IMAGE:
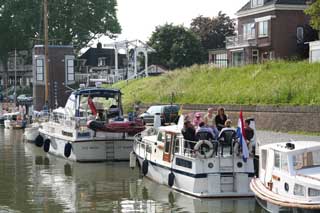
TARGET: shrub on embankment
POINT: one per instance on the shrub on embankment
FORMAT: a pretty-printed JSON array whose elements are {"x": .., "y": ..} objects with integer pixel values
[{"x": 272, "y": 83}]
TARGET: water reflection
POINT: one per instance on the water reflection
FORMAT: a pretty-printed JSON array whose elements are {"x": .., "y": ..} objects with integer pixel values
[{"x": 33, "y": 181}]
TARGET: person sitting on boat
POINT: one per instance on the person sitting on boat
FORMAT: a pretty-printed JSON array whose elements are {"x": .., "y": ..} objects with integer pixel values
[
  {"x": 249, "y": 133},
  {"x": 209, "y": 120},
  {"x": 197, "y": 120},
  {"x": 204, "y": 133},
  {"x": 100, "y": 115},
  {"x": 220, "y": 118},
  {"x": 189, "y": 134},
  {"x": 227, "y": 136}
]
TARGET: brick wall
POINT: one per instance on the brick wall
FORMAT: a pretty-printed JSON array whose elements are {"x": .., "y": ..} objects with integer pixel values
[{"x": 277, "y": 118}]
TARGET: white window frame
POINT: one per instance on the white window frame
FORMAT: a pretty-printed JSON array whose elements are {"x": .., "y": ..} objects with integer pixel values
[
  {"x": 249, "y": 31},
  {"x": 69, "y": 69},
  {"x": 40, "y": 69},
  {"x": 263, "y": 29},
  {"x": 256, "y": 3},
  {"x": 300, "y": 34},
  {"x": 102, "y": 61}
]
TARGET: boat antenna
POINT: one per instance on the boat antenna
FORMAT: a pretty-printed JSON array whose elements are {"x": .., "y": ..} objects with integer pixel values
[{"x": 46, "y": 37}]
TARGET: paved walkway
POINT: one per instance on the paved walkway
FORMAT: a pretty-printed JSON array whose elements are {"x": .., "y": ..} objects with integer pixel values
[{"x": 265, "y": 137}]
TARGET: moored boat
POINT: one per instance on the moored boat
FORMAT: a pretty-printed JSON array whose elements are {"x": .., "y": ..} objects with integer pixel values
[
  {"x": 166, "y": 157},
  {"x": 90, "y": 127},
  {"x": 289, "y": 175}
]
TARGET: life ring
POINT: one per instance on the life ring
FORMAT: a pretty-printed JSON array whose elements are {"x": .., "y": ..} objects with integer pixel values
[
  {"x": 145, "y": 166},
  {"x": 46, "y": 145},
  {"x": 38, "y": 141},
  {"x": 67, "y": 150},
  {"x": 204, "y": 149},
  {"x": 170, "y": 179}
]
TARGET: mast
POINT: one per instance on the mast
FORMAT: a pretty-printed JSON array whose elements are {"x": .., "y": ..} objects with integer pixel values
[{"x": 45, "y": 13}]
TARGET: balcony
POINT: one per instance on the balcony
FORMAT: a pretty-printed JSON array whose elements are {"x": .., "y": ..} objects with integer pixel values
[{"x": 240, "y": 41}]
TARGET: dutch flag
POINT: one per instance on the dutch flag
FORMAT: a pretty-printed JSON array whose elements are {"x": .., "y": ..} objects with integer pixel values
[{"x": 241, "y": 135}]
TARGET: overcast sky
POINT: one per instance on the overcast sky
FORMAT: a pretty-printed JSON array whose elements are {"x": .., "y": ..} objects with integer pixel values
[{"x": 138, "y": 18}]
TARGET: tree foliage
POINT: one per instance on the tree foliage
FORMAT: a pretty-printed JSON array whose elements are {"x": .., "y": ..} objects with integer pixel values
[
  {"x": 70, "y": 22},
  {"x": 314, "y": 11},
  {"x": 175, "y": 47},
  {"x": 213, "y": 31}
]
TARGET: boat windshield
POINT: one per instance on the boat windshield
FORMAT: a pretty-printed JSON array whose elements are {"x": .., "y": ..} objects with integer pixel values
[
  {"x": 99, "y": 103},
  {"x": 306, "y": 160}
]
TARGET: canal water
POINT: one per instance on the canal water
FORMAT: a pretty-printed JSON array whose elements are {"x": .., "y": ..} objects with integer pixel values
[{"x": 32, "y": 181}]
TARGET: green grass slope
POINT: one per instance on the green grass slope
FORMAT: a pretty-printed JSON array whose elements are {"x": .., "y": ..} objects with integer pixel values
[{"x": 272, "y": 83}]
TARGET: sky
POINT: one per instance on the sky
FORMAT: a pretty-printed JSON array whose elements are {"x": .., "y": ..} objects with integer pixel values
[{"x": 139, "y": 18}]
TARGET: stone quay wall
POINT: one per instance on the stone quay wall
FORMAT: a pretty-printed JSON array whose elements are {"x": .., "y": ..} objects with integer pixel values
[{"x": 275, "y": 118}]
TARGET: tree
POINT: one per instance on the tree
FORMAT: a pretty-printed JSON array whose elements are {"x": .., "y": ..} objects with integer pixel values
[
  {"x": 70, "y": 22},
  {"x": 213, "y": 31},
  {"x": 175, "y": 47},
  {"x": 314, "y": 11}
]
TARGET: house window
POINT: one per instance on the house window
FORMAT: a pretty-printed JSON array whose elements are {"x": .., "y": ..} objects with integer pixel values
[
  {"x": 255, "y": 56},
  {"x": 101, "y": 61},
  {"x": 256, "y": 3},
  {"x": 300, "y": 36},
  {"x": 69, "y": 64},
  {"x": 249, "y": 31},
  {"x": 40, "y": 69},
  {"x": 263, "y": 28}
]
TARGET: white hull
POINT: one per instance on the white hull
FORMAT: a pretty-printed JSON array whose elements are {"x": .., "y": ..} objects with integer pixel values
[
  {"x": 90, "y": 150},
  {"x": 200, "y": 185},
  {"x": 31, "y": 133}
]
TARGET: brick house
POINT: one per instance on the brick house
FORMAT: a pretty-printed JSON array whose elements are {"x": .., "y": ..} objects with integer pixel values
[
  {"x": 268, "y": 29},
  {"x": 61, "y": 75}
]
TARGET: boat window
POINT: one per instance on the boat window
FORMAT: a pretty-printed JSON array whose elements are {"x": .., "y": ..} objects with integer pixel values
[
  {"x": 299, "y": 190},
  {"x": 263, "y": 158},
  {"x": 176, "y": 144},
  {"x": 284, "y": 162},
  {"x": 313, "y": 192},
  {"x": 160, "y": 136},
  {"x": 276, "y": 159},
  {"x": 306, "y": 160},
  {"x": 167, "y": 142}
]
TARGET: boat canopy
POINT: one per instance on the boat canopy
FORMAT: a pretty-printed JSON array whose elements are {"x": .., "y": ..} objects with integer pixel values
[{"x": 97, "y": 92}]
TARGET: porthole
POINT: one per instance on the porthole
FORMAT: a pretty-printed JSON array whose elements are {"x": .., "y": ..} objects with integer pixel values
[
  {"x": 239, "y": 165},
  {"x": 286, "y": 187},
  {"x": 210, "y": 165}
]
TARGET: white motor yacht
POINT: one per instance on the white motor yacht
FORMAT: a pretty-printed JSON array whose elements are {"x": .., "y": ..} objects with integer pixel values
[
  {"x": 166, "y": 157},
  {"x": 76, "y": 133},
  {"x": 289, "y": 174}
]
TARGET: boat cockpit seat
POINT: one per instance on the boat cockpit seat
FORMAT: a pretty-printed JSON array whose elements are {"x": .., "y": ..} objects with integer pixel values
[{"x": 227, "y": 139}]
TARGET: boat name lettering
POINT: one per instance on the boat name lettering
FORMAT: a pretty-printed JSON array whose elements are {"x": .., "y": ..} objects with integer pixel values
[
  {"x": 69, "y": 134},
  {"x": 83, "y": 134},
  {"x": 184, "y": 163}
]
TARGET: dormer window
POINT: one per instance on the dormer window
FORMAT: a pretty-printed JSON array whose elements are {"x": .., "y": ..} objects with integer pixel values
[
  {"x": 256, "y": 3},
  {"x": 102, "y": 61}
]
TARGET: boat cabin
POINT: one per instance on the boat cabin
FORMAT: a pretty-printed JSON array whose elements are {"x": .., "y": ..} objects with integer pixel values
[{"x": 291, "y": 169}]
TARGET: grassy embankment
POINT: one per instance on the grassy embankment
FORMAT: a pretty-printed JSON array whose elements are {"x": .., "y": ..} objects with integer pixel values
[{"x": 272, "y": 83}]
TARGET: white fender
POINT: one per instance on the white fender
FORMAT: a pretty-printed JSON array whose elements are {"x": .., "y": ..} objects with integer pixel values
[{"x": 198, "y": 149}]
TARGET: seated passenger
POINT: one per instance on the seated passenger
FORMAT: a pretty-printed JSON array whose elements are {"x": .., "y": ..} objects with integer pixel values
[
  {"x": 197, "y": 120},
  {"x": 227, "y": 136},
  {"x": 189, "y": 134},
  {"x": 249, "y": 132},
  {"x": 100, "y": 116},
  {"x": 220, "y": 118},
  {"x": 204, "y": 133}
]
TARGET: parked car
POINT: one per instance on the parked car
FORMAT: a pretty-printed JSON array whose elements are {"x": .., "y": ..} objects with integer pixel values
[
  {"x": 24, "y": 98},
  {"x": 168, "y": 113}
]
